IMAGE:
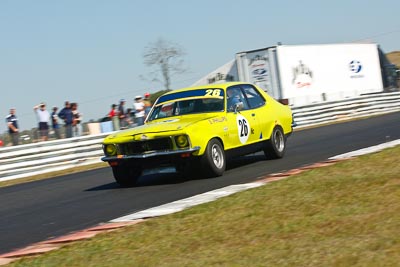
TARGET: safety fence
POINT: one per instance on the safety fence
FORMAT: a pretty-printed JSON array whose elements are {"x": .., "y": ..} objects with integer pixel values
[
  {"x": 32, "y": 159},
  {"x": 38, "y": 158},
  {"x": 363, "y": 106}
]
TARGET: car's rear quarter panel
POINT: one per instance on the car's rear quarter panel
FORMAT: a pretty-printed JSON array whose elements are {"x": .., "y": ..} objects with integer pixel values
[{"x": 282, "y": 115}]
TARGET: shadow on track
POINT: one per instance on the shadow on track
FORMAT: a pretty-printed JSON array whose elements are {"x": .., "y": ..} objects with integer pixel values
[
  {"x": 239, "y": 162},
  {"x": 165, "y": 176},
  {"x": 153, "y": 179}
]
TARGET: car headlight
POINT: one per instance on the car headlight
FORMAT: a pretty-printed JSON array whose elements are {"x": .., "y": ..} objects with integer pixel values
[
  {"x": 110, "y": 150},
  {"x": 182, "y": 141}
]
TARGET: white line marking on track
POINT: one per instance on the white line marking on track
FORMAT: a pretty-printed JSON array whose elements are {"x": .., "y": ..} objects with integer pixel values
[{"x": 368, "y": 150}]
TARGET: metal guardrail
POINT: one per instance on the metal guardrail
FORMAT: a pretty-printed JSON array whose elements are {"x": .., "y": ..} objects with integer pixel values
[
  {"x": 358, "y": 107},
  {"x": 31, "y": 159},
  {"x": 38, "y": 158}
]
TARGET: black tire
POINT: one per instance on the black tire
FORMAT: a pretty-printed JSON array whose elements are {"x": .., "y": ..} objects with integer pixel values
[
  {"x": 213, "y": 162},
  {"x": 275, "y": 147},
  {"x": 126, "y": 176}
]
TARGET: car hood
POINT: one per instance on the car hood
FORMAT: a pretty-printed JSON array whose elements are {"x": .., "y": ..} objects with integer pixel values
[{"x": 159, "y": 127}]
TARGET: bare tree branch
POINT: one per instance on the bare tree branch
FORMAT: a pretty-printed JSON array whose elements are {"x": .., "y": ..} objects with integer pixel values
[{"x": 166, "y": 57}]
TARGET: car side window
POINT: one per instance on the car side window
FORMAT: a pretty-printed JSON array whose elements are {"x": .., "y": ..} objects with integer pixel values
[
  {"x": 234, "y": 96},
  {"x": 253, "y": 97}
]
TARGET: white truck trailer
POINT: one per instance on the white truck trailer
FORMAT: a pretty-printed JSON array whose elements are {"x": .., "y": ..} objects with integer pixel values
[{"x": 305, "y": 74}]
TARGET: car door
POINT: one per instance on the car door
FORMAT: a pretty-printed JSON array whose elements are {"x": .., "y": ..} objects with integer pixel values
[
  {"x": 261, "y": 110},
  {"x": 243, "y": 125}
]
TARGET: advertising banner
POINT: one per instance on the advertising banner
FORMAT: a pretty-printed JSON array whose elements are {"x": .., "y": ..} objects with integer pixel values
[
  {"x": 329, "y": 70},
  {"x": 259, "y": 69}
]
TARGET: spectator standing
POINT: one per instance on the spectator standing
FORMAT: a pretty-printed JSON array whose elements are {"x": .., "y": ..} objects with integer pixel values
[
  {"x": 55, "y": 124},
  {"x": 66, "y": 115},
  {"x": 130, "y": 118},
  {"x": 147, "y": 104},
  {"x": 122, "y": 114},
  {"x": 77, "y": 119},
  {"x": 44, "y": 118},
  {"x": 139, "y": 110},
  {"x": 113, "y": 115},
  {"x": 12, "y": 124}
]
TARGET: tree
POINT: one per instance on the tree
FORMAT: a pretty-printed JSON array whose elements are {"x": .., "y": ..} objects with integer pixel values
[{"x": 165, "y": 57}]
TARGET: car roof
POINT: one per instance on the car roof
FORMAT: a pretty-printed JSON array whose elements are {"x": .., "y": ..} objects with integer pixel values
[{"x": 211, "y": 86}]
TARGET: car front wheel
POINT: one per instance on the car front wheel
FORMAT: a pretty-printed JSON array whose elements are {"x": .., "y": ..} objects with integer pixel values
[
  {"x": 213, "y": 160},
  {"x": 126, "y": 176}
]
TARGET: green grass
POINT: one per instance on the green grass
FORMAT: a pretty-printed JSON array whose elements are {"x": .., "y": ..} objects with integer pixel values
[{"x": 347, "y": 214}]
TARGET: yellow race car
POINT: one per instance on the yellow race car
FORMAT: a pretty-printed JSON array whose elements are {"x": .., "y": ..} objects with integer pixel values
[{"x": 197, "y": 129}]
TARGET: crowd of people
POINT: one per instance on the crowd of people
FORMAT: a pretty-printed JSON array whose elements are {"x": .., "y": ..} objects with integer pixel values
[
  {"x": 123, "y": 118},
  {"x": 70, "y": 115},
  {"x": 71, "y": 118}
]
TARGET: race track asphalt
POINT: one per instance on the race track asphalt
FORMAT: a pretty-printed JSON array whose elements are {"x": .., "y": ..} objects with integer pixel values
[{"x": 35, "y": 211}]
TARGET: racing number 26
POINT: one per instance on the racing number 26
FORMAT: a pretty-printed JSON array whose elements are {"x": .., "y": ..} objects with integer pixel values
[
  {"x": 213, "y": 92},
  {"x": 244, "y": 129}
]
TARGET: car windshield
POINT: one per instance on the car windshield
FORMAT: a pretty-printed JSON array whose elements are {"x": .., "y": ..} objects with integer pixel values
[{"x": 188, "y": 102}]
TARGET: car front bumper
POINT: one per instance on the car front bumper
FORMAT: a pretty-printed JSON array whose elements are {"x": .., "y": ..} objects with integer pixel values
[{"x": 150, "y": 154}]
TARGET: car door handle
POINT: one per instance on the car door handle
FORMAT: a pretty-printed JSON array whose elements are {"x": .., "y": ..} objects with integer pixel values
[{"x": 253, "y": 115}]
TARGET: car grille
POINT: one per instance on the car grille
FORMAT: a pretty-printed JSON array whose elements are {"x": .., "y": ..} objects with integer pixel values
[{"x": 140, "y": 147}]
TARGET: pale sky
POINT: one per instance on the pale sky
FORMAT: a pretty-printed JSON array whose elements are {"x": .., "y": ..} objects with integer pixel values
[{"x": 91, "y": 51}]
